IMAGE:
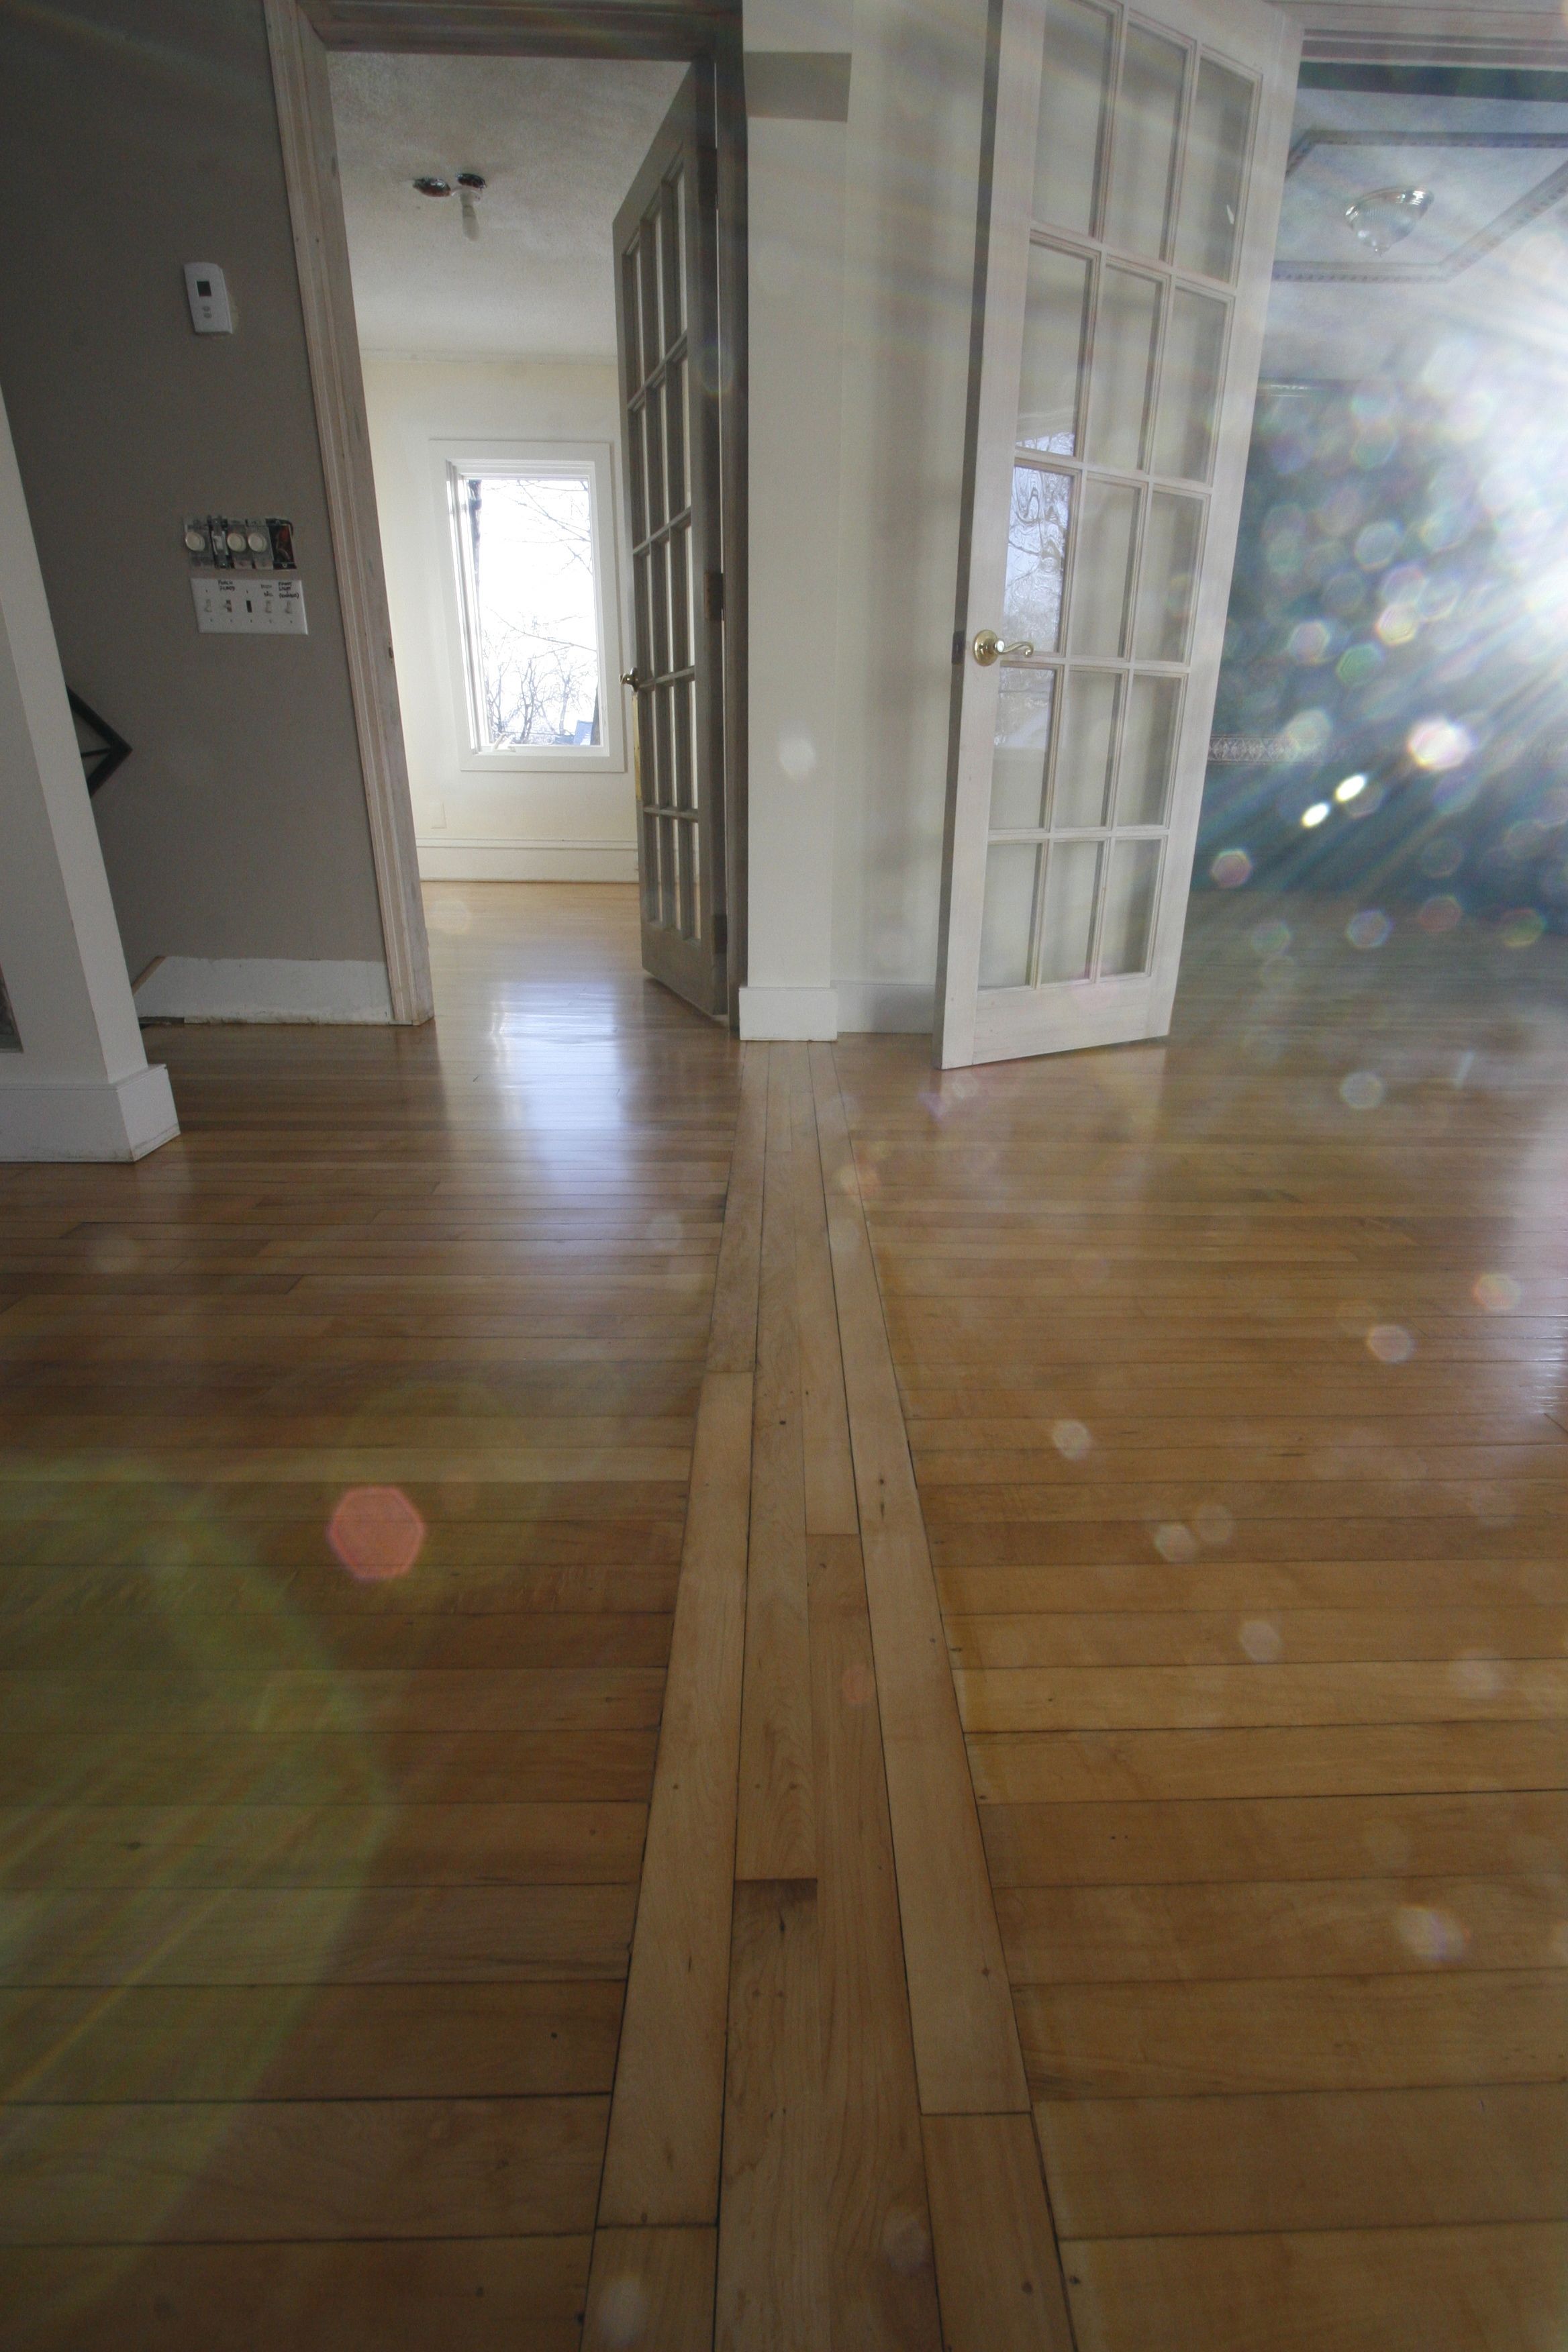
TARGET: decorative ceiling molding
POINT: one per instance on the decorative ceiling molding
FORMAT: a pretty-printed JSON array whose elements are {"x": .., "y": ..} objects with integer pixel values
[
  {"x": 540, "y": 28},
  {"x": 1508, "y": 223}
]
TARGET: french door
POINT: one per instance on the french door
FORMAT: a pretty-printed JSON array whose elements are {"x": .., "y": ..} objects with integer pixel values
[
  {"x": 667, "y": 318},
  {"x": 1137, "y": 159}
]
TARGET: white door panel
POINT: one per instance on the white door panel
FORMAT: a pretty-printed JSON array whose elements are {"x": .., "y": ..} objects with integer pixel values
[{"x": 1133, "y": 183}]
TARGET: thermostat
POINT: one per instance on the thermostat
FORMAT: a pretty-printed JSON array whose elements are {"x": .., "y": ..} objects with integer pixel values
[{"x": 208, "y": 296}]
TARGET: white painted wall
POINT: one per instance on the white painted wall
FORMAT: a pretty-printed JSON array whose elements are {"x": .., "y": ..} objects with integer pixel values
[
  {"x": 79, "y": 1087},
  {"x": 861, "y": 277},
  {"x": 528, "y": 824}
]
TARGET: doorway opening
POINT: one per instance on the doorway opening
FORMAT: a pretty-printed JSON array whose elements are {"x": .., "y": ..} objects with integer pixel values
[
  {"x": 542, "y": 279},
  {"x": 1387, "y": 769}
]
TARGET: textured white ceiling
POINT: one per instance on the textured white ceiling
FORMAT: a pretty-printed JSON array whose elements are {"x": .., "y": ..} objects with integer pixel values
[{"x": 558, "y": 141}]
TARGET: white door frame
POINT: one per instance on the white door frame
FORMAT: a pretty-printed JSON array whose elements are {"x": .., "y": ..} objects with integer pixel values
[{"x": 331, "y": 341}]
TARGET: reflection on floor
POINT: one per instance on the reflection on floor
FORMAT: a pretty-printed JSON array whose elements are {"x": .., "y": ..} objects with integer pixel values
[
  {"x": 1235, "y": 1376},
  {"x": 355, "y": 1452}
]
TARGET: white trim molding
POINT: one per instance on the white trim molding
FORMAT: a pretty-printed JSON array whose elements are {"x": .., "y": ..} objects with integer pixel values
[
  {"x": 86, "y": 1118},
  {"x": 326, "y": 296},
  {"x": 262, "y": 988},
  {"x": 793, "y": 1013},
  {"x": 528, "y": 861}
]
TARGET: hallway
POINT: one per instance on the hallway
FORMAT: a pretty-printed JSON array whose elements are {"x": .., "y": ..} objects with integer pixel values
[{"x": 367, "y": 1455}]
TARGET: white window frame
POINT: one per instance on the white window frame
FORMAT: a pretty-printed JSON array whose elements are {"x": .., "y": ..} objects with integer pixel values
[{"x": 452, "y": 461}]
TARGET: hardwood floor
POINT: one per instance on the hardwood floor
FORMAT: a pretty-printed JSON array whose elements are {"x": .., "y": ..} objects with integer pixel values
[
  {"x": 1239, "y": 1416},
  {"x": 633, "y": 1671},
  {"x": 319, "y": 1880}
]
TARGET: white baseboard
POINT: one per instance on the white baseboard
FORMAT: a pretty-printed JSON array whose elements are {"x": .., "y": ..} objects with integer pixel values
[
  {"x": 262, "y": 988},
  {"x": 905, "y": 1005},
  {"x": 78, "y": 1119},
  {"x": 528, "y": 861},
  {"x": 789, "y": 1012}
]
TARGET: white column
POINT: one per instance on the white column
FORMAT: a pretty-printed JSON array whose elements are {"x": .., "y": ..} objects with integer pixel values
[
  {"x": 79, "y": 1087},
  {"x": 795, "y": 156}
]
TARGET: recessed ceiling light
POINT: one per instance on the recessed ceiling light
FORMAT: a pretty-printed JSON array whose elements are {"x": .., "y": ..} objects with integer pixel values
[{"x": 1386, "y": 216}]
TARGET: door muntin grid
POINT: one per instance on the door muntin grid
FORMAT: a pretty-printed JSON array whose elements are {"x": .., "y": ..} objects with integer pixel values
[
  {"x": 664, "y": 626},
  {"x": 1142, "y": 154}
]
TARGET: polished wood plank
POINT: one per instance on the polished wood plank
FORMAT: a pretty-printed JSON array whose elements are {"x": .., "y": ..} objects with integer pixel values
[
  {"x": 1288, "y": 2033},
  {"x": 881, "y": 2287},
  {"x": 278, "y": 2169},
  {"x": 378, "y": 2295},
  {"x": 776, "y": 1829},
  {"x": 966, "y": 2048},
  {"x": 773, "y": 2294},
  {"x": 998, "y": 2267},
  {"x": 651, "y": 2287},
  {"x": 1367, "y": 2290}
]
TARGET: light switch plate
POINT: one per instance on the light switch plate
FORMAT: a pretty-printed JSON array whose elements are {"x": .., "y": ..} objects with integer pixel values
[
  {"x": 206, "y": 290},
  {"x": 249, "y": 604}
]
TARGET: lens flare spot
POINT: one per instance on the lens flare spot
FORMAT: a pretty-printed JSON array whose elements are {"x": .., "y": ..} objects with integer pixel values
[
  {"x": 1175, "y": 1542},
  {"x": 622, "y": 2314},
  {"x": 1432, "y": 1935},
  {"x": 1310, "y": 643},
  {"x": 1359, "y": 663},
  {"x": 1262, "y": 1641},
  {"x": 1498, "y": 1294},
  {"x": 906, "y": 2247},
  {"x": 1362, "y": 1090},
  {"x": 1213, "y": 1523},
  {"x": 1443, "y": 913},
  {"x": 1391, "y": 1343},
  {"x": 858, "y": 1685},
  {"x": 1349, "y": 788},
  {"x": 1437, "y": 745},
  {"x": 1397, "y": 624},
  {"x": 1477, "y": 1675},
  {"x": 1557, "y": 1943},
  {"x": 1377, "y": 545},
  {"x": 1522, "y": 927},
  {"x": 377, "y": 1533},
  {"x": 1370, "y": 928},
  {"x": 1230, "y": 869},
  {"x": 1313, "y": 816},
  {"x": 1270, "y": 938},
  {"x": 1071, "y": 1440}
]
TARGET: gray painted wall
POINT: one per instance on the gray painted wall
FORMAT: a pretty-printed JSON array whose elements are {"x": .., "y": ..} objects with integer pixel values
[{"x": 136, "y": 135}]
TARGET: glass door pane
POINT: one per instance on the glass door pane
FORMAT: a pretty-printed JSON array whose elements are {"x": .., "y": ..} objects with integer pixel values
[
  {"x": 1121, "y": 377},
  {"x": 1148, "y": 750},
  {"x": 1189, "y": 385},
  {"x": 1102, "y": 567},
  {"x": 1069, "y": 153},
  {"x": 1067, "y": 916},
  {"x": 1087, "y": 749},
  {"x": 1143, "y": 148},
  {"x": 1009, "y": 912},
  {"x": 1023, "y": 746},
  {"x": 1056, "y": 330},
  {"x": 1166, "y": 581},
  {"x": 1126, "y": 930},
  {"x": 1218, "y": 136},
  {"x": 1037, "y": 556}
]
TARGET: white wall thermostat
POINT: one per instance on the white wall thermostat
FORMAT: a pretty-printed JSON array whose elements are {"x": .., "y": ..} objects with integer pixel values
[{"x": 208, "y": 296}]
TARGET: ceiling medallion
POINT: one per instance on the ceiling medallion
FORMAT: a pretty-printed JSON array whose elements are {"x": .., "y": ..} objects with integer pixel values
[{"x": 1384, "y": 218}]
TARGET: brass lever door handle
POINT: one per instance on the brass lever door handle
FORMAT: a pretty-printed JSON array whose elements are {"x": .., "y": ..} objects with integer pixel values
[
  {"x": 634, "y": 678},
  {"x": 988, "y": 647}
]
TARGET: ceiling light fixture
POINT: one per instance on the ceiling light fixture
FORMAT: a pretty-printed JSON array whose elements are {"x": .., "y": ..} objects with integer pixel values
[
  {"x": 1385, "y": 217},
  {"x": 470, "y": 186}
]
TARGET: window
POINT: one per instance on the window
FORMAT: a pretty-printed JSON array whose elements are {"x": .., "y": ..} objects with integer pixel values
[{"x": 535, "y": 617}]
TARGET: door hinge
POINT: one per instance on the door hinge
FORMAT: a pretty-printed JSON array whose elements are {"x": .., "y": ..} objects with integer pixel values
[
  {"x": 721, "y": 931},
  {"x": 712, "y": 595}
]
